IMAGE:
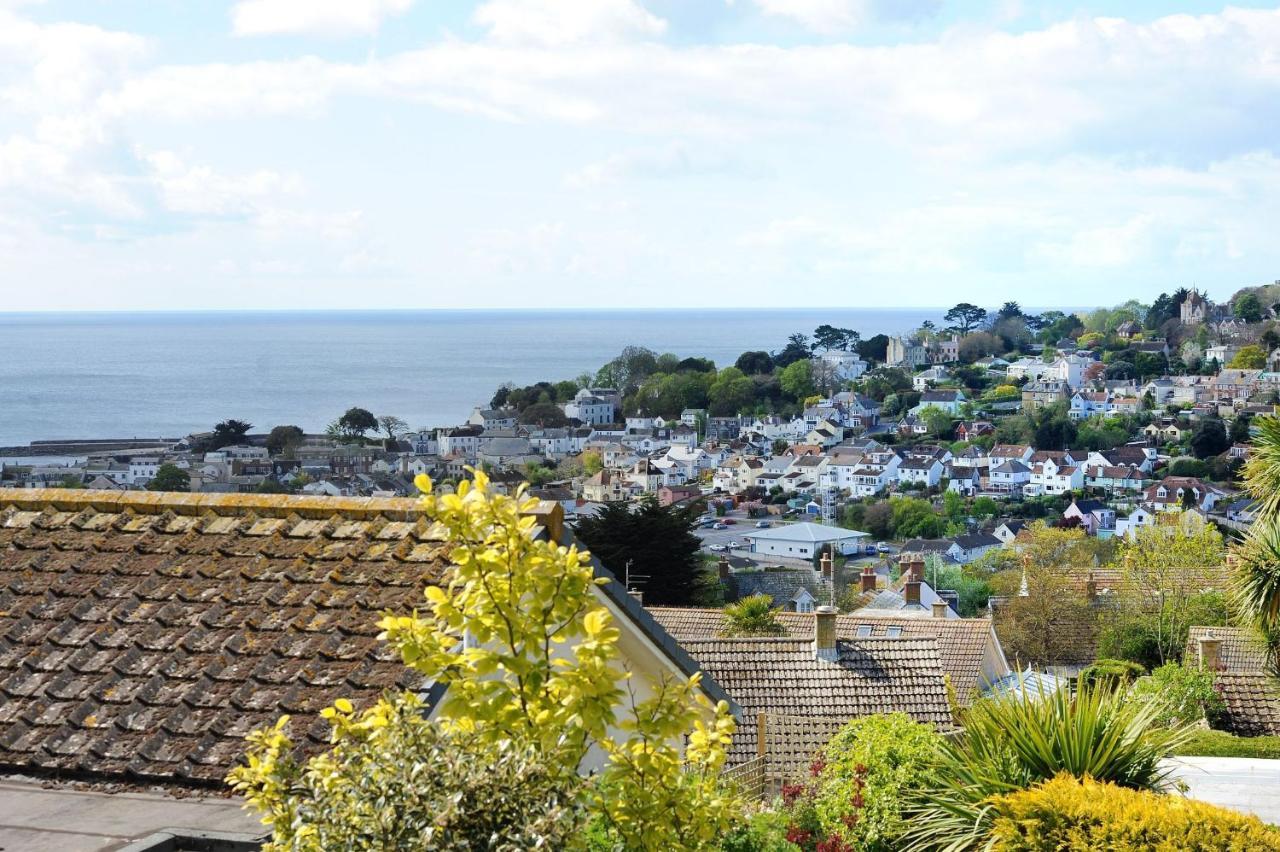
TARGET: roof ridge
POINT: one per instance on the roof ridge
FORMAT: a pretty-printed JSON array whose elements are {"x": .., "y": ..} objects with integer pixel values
[{"x": 182, "y": 503}]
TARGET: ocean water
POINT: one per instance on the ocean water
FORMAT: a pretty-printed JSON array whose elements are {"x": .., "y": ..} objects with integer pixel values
[{"x": 168, "y": 374}]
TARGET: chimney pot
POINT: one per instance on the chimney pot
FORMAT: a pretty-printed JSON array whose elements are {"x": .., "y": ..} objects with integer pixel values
[
  {"x": 828, "y": 567},
  {"x": 911, "y": 592},
  {"x": 940, "y": 609},
  {"x": 1210, "y": 653},
  {"x": 824, "y": 633}
]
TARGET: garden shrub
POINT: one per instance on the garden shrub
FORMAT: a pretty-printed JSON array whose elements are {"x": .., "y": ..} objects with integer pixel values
[
  {"x": 1067, "y": 813},
  {"x": 763, "y": 831},
  {"x": 854, "y": 795},
  {"x": 1113, "y": 671},
  {"x": 1183, "y": 694}
]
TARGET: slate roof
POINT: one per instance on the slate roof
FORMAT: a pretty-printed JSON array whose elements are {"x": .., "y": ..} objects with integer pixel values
[
  {"x": 142, "y": 635},
  {"x": 784, "y": 677},
  {"x": 962, "y": 642},
  {"x": 779, "y": 585}
]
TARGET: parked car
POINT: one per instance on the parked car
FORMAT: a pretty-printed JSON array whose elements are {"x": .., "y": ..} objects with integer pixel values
[
  {"x": 869, "y": 550},
  {"x": 718, "y": 548},
  {"x": 719, "y": 525},
  {"x": 728, "y": 521},
  {"x": 762, "y": 525},
  {"x": 883, "y": 548},
  {"x": 733, "y": 545}
]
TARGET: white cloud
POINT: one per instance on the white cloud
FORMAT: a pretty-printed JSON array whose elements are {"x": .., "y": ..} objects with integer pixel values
[
  {"x": 675, "y": 160},
  {"x": 199, "y": 190},
  {"x": 313, "y": 17},
  {"x": 824, "y": 16},
  {"x": 560, "y": 22}
]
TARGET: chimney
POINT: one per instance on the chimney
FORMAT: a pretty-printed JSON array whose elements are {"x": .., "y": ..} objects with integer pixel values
[
  {"x": 824, "y": 635},
  {"x": 939, "y": 607},
  {"x": 724, "y": 568},
  {"x": 828, "y": 567},
  {"x": 1210, "y": 653},
  {"x": 637, "y": 594},
  {"x": 912, "y": 565},
  {"x": 911, "y": 591},
  {"x": 1091, "y": 587},
  {"x": 868, "y": 578}
]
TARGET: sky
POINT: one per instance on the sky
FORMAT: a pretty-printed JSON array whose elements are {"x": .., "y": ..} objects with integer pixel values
[{"x": 315, "y": 154}]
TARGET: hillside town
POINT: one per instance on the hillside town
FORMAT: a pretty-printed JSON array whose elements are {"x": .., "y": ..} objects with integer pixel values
[{"x": 1005, "y": 509}]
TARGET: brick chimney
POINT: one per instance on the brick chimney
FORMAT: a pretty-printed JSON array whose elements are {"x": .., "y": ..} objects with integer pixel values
[
  {"x": 1210, "y": 653},
  {"x": 828, "y": 567},
  {"x": 868, "y": 577},
  {"x": 724, "y": 568},
  {"x": 912, "y": 565},
  {"x": 939, "y": 608},
  {"x": 911, "y": 590},
  {"x": 824, "y": 633}
]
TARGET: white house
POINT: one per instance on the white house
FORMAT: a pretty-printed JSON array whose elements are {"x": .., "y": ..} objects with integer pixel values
[
  {"x": 1030, "y": 368},
  {"x": 1009, "y": 475},
  {"x": 1138, "y": 518},
  {"x": 949, "y": 401},
  {"x": 490, "y": 418},
  {"x": 920, "y": 470},
  {"x": 801, "y": 541},
  {"x": 923, "y": 380},
  {"x": 1052, "y": 477},
  {"x": 588, "y": 408},
  {"x": 847, "y": 366}
]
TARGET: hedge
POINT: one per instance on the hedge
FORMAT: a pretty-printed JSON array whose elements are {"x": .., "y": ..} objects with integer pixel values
[
  {"x": 1069, "y": 814},
  {"x": 1223, "y": 744}
]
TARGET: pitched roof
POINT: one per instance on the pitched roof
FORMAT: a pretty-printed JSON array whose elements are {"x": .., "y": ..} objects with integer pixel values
[
  {"x": 784, "y": 678},
  {"x": 1252, "y": 703},
  {"x": 1241, "y": 651},
  {"x": 962, "y": 642},
  {"x": 142, "y": 635},
  {"x": 808, "y": 532}
]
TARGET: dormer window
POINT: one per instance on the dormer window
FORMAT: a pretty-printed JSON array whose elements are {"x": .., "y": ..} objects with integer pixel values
[
  {"x": 863, "y": 631},
  {"x": 893, "y": 632}
]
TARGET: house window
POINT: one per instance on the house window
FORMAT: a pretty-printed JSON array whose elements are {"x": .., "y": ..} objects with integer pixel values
[
  {"x": 893, "y": 632},
  {"x": 864, "y": 631},
  {"x": 804, "y": 606}
]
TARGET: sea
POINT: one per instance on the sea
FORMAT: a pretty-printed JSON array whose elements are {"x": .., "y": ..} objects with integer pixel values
[{"x": 161, "y": 374}]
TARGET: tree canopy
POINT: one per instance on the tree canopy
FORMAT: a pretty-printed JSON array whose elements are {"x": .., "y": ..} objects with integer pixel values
[
  {"x": 652, "y": 541},
  {"x": 965, "y": 317}
]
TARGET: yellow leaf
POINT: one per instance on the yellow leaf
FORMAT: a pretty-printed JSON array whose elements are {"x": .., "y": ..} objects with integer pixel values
[
  {"x": 595, "y": 621},
  {"x": 423, "y": 483},
  {"x": 343, "y": 705}
]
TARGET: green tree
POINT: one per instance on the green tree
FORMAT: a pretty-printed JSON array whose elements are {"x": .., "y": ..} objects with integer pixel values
[
  {"x": 754, "y": 363},
  {"x": 282, "y": 440},
  {"x": 829, "y": 337},
  {"x": 1251, "y": 357},
  {"x": 1239, "y": 433},
  {"x": 1247, "y": 308},
  {"x": 544, "y": 414},
  {"x": 591, "y": 463},
  {"x": 170, "y": 477},
  {"x": 965, "y": 317},
  {"x": 497, "y": 767},
  {"x": 915, "y": 518},
  {"x": 798, "y": 348},
  {"x": 353, "y": 425},
  {"x": 940, "y": 423},
  {"x": 651, "y": 541},
  {"x": 731, "y": 393},
  {"x": 1209, "y": 439},
  {"x": 875, "y": 348},
  {"x": 797, "y": 379},
  {"x": 228, "y": 433}
]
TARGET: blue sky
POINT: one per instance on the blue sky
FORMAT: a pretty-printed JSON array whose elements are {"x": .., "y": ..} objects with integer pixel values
[{"x": 617, "y": 153}]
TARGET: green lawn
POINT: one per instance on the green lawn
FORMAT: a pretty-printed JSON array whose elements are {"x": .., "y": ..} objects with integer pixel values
[{"x": 1222, "y": 744}]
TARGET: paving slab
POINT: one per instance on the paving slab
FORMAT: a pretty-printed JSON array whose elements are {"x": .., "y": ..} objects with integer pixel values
[{"x": 1243, "y": 784}]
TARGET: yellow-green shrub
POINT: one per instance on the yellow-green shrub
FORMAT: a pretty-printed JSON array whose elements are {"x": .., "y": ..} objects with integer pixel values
[{"x": 1070, "y": 814}]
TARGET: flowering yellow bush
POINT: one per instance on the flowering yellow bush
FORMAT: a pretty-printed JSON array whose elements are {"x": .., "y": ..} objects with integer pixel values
[
  {"x": 529, "y": 656},
  {"x": 1070, "y": 814}
]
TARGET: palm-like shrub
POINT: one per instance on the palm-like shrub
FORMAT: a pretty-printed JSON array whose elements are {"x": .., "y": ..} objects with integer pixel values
[
  {"x": 1014, "y": 742},
  {"x": 754, "y": 615},
  {"x": 1255, "y": 583}
]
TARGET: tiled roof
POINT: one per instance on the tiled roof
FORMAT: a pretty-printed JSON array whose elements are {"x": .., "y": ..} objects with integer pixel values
[
  {"x": 142, "y": 635},
  {"x": 1253, "y": 703},
  {"x": 1241, "y": 650},
  {"x": 784, "y": 677},
  {"x": 962, "y": 642}
]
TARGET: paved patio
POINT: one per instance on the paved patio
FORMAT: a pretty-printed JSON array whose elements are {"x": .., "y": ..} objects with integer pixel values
[{"x": 1240, "y": 783}]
